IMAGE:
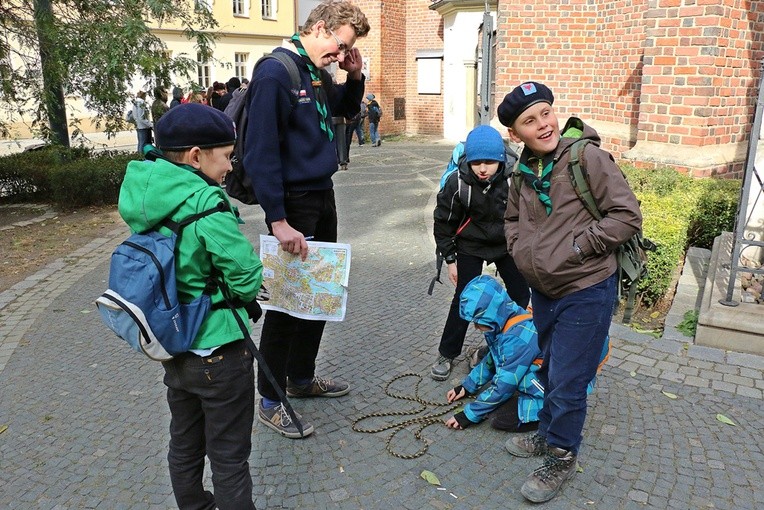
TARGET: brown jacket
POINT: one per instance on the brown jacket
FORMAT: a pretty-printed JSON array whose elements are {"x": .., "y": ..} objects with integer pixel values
[{"x": 542, "y": 246}]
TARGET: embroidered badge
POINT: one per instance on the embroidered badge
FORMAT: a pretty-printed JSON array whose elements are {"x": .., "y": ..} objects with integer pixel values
[{"x": 529, "y": 88}]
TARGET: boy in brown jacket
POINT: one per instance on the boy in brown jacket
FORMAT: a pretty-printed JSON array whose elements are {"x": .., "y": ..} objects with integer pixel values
[{"x": 568, "y": 258}]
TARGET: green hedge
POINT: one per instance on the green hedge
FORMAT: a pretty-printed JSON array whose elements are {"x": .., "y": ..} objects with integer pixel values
[
  {"x": 678, "y": 212},
  {"x": 65, "y": 177}
]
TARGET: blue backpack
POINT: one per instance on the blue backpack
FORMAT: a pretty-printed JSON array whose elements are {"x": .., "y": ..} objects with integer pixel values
[{"x": 141, "y": 305}]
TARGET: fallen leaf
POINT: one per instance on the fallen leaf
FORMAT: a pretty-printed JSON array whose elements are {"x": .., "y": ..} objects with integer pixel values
[
  {"x": 579, "y": 469},
  {"x": 3, "y": 428},
  {"x": 655, "y": 315},
  {"x": 633, "y": 374},
  {"x": 726, "y": 420},
  {"x": 430, "y": 477},
  {"x": 84, "y": 311},
  {"x": 670, "y": 395}
]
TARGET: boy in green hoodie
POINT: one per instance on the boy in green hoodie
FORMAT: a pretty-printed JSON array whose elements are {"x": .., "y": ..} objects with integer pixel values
[{"x": 210, "y": 389}]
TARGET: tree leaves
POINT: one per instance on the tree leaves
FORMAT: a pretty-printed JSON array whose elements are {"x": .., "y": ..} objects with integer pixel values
[
  {"x": 430, "y": 477},
  {"x": 726, "y": 420}
]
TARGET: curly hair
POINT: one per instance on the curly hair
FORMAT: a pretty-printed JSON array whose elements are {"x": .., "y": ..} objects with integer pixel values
[{"x": 336, "y": 13}]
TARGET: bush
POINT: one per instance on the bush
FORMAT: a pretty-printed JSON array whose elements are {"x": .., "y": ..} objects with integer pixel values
[
  {"x": 67, "y": 177},
  {"x": 715, "y": 212},
  {"x": 92, "y": 181},
  {"x": 678, "y": 212}
]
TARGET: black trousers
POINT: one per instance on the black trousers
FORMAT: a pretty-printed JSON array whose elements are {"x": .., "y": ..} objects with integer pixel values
[
  {"x": 468, "y": 267},
  {"x": 288, "y": 344}
]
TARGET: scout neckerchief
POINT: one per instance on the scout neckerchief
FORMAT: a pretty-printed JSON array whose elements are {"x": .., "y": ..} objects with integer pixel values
[
  {"x": 540, "y": 180},
  {"x": 319, "y": 92}
]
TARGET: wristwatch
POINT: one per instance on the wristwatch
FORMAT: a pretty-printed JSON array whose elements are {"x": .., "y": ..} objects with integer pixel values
[{"x": 450, "y": 259}]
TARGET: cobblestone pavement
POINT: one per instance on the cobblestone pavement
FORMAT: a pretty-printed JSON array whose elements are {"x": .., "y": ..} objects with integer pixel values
[{"x": 87, "y": 421}]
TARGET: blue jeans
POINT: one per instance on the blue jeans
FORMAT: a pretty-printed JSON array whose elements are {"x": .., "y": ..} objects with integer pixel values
[
  {"x": 571, "y": 332},
  {"x": 373, "y": 133},
  {"x": 289, "y": 344},
  {"x": 212, "y": 403},
  {"x": 468, "y": 267},
  {"x": 358, "y": 128},
  {"x": 144, "y": 137}
]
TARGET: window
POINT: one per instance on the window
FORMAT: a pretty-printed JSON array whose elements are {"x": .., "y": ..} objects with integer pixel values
[
  {"x": 429, "y": 63},
  {"x": 240, "y": 65},
  {"x": 268, "y": 9},
  {"x": 241, "y": 8},
  {"x": 202, "y": 71}
]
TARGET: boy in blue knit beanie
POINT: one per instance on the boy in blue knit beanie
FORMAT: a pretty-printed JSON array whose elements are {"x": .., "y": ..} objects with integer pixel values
[{"x": 469, "y": 231}]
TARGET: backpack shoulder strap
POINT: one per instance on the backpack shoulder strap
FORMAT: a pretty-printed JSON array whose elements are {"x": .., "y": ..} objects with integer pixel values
[
  {"x": 177, "y": 226},
  {"x": 580, "y": 179},
  {"x": 517, "y": 319},
  {"x": 464, "y": 189},
  {"x": 291, "y": 67}
]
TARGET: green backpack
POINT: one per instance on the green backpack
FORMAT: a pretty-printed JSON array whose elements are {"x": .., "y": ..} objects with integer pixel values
[{"x": 631, "y": 255}]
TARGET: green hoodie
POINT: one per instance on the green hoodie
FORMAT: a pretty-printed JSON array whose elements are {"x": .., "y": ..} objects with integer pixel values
[{"x": 155, "y": 190}]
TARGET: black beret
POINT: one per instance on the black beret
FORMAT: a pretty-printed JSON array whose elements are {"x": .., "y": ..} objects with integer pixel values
[
  {"x": 520, "y": 99},
  {"x": 194, "y": 125}
]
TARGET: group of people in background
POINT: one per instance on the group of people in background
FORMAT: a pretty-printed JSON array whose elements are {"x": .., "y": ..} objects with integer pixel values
[{"x": 145, "y": 117}]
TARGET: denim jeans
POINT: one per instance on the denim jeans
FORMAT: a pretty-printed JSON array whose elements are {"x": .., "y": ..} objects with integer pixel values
[
  {"x": 468, "y": 267},
  {"x": 358, "y": 128},
  {"x": 373, "y": 132},
  {"x": 144, "y": 137},
  {"x": 212, "y": 403},
  {"x": 288, "y": 344},
  {"x": 571, "y": 331}
]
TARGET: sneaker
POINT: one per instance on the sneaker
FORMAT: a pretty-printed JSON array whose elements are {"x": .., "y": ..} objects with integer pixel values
[
  {"x": 478, "y": 355},
  {"x": 441, "y": 369},
  {"x": 528, "y": 445},
  {"x": 279, "y": 420},
  {"x": 318, "y": 387},
  {"x": 545, "y": 482}
]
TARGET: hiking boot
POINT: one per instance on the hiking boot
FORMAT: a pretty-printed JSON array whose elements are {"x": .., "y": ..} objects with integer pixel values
[
  {"x": 545, "y": 482},
  {"x": 478, "y": 355},
  {"x": 441, "y": 369},
  {"x": 528, "y": 445},
  {"x": 279, "y": 420},
  {"x": 318, "y": 387}
]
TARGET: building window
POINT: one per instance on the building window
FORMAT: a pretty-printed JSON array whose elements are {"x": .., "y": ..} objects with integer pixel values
[
  {"x": 268, "y": 9},
  {"x": 202, "y": 71},
  {"x": 240, "y": 65},
  {"x": 429, "y": 69},
  {"x": 241, "y": 8}
]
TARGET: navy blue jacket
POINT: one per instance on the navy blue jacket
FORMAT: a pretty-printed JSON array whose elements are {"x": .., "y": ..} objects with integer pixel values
[{"x": 286, "y": 150}]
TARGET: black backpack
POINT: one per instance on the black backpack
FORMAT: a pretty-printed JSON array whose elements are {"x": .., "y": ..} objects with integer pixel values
[{"x": 237, "y": 183}]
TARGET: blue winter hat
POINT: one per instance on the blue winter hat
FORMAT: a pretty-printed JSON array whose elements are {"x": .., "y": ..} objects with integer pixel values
[
  {"x": 520, "y": 99},
  {"x": 484, "y": 143},
  {"x": 194, "y": 125}
]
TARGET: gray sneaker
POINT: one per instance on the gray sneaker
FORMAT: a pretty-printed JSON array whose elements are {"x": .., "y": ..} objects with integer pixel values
[
  {"x": 318, "y": 387},
  {"x": 279, "y": 420},
  {"x": 527, "y": 445},
  {"x": 441, "y": 369},
  {"x": 545, "y": 482}
]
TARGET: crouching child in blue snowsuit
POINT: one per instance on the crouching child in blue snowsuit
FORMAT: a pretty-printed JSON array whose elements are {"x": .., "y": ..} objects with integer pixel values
[{"x": 508, "y": 371}]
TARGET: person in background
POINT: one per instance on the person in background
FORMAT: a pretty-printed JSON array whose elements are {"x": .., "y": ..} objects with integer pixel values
[
  {"x": 374, "y": 111},
  {"x": 218, "y": 91},
  {"x": 177, "y": 97},
  {"x": 143, "y": 124},
  {"x": 159, "y": 106},
  {"x": 356, "y": 126}
]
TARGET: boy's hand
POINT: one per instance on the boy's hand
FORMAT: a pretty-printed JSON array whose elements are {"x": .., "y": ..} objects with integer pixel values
[
  {"x": 455, "y": 394},
  {"x": 452, "y": 273},
  {"x": 352, "y": 63},
  {"x": 291, "y": 240},
  {"x": 453, "y": 424}
]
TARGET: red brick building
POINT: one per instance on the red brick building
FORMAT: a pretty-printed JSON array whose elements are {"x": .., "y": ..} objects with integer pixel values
[{"x": 664, "y": 82}]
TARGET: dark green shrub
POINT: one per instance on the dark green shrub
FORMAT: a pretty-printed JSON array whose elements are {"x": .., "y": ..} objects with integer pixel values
[
  {"x": 92, "y": 181},
  {"x": 26, "y": 176},
  {"x": 715, "y": 211}
]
